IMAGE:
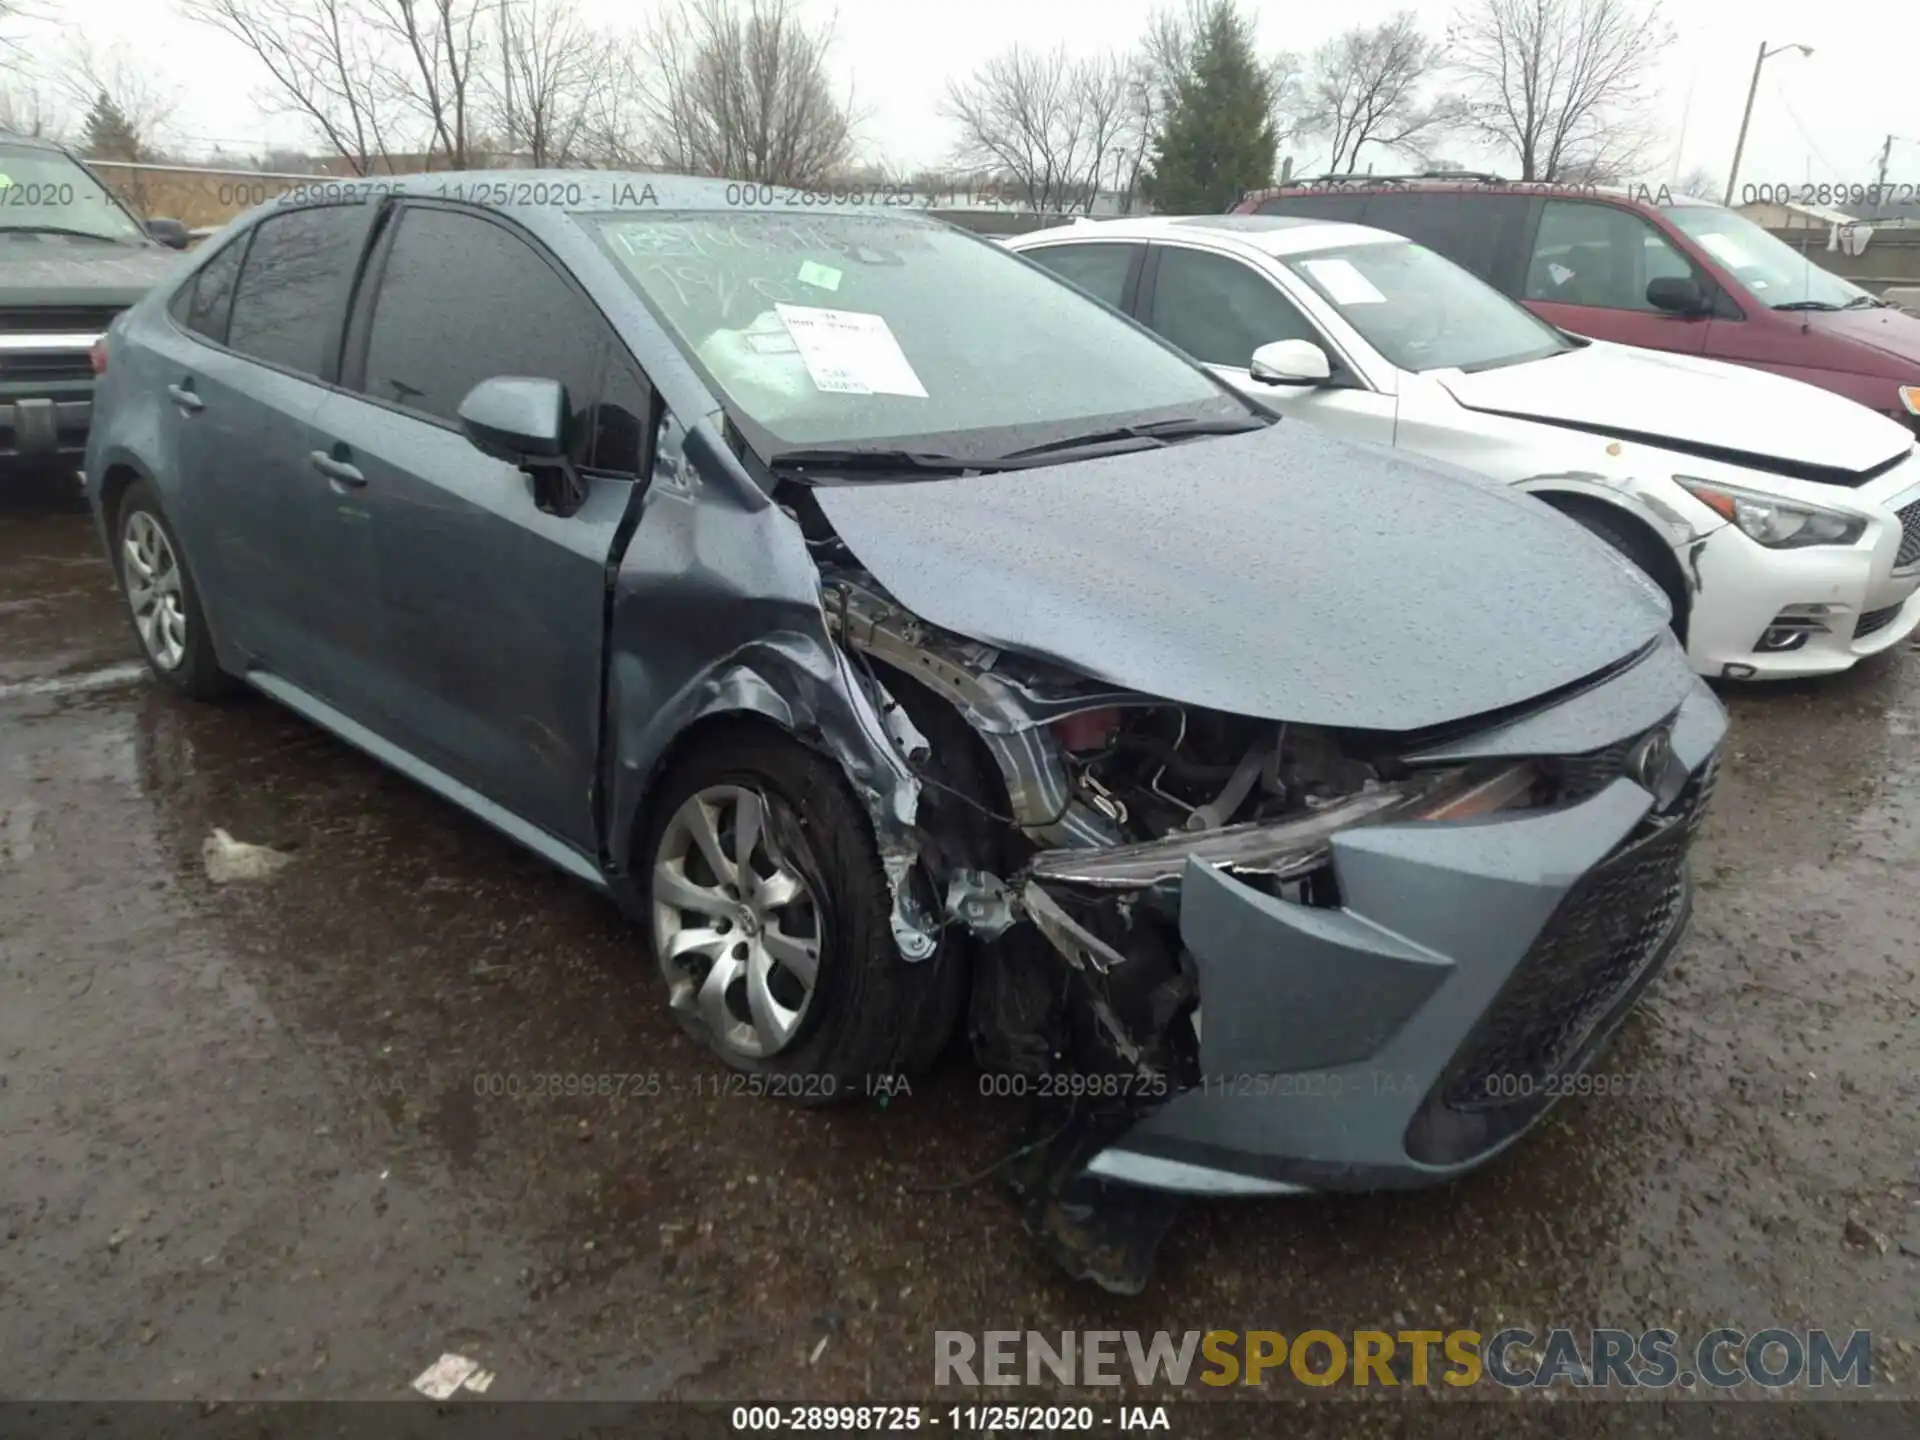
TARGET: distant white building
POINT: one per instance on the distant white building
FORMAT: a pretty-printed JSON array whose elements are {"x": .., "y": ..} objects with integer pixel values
[{"x": 1776, "y": 215}]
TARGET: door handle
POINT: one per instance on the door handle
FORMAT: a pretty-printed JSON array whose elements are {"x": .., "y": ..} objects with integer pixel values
[
  {"x": 338, "y": 471},
  {"x": 184, "y": 397}
]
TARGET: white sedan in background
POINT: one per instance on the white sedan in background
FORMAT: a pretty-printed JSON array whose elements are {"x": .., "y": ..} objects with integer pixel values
[{"x": 1782, "y": 521}]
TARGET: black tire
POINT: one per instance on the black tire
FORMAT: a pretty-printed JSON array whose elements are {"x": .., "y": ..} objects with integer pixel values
[
  {"x": 868, "y": 1016},
  {"x": 198, "y": 674},
  {"x": 1631, "y": 541}
]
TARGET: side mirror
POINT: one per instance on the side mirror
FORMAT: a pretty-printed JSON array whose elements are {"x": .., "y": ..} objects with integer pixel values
[
  {"x": 516, "y": 418},
  {"x": 170, "y": 233},
  {"x": 1290, "y": 362},
  {"x": 1677, "y": 295}
]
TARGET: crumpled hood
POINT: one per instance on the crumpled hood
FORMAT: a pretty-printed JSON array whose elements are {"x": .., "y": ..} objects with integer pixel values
[
  {"x": 1282, "y": 574},
  {"x": 1687, "y": 400},
  {"x": 60, "y": 270}
]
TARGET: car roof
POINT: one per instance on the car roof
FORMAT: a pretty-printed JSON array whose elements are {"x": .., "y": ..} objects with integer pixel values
[
  {"x": 1641, "y": 196},
  {"x": 29, "y": 142},
  {"x": 586, "y": 192},
  {"x": 1275, "y": 235}
]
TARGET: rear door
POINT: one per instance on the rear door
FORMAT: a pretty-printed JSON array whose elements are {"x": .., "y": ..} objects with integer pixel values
[
  {"x": 256, "y": 346},
  {"x": 1588, "y": 270},
  {"x": 1220, "y": 308},
  {"x": 492, "y": 609}
]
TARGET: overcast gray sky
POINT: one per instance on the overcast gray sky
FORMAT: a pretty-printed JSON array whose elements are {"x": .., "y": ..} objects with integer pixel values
[{"x": 1820, "y": 118}]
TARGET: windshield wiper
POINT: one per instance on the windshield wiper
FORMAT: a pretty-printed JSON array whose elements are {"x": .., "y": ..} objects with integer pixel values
[
  {"x": 1807, "y": 305},
  {"x": 57, "y": 230},
  {"x": 1867, "y": 302},
  {"x": 1158, "y": 432},
  {"x": 873, "y": 462}
]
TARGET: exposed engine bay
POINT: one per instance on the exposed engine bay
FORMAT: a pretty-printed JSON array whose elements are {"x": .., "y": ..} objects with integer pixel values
[{"x": 1062, "y": 860}]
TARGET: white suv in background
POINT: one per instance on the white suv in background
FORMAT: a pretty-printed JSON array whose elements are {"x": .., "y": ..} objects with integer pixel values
[{"x": 1783, "y": 522}]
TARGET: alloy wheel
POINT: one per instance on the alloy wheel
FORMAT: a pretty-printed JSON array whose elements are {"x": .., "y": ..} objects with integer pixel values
[
  {"x": 736, "y": 925},
  {"x": 151, "y": 573}
]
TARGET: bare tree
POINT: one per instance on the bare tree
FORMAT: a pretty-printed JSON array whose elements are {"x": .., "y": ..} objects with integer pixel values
[
  {"x": 432, "y": 51},
  {"x": 1372, "y": 86},
  {"x": 325, "y": 65},
  {"x": 12, "y": 11},
  {"x": 548, "y": 66},
  {"x": 1565, "y": 84},
  {"x": 730, "y": 87},
  {"x": 1054, "y": 125},
  {"x": 1700, "y": 183},
  {"x": 27, "y": 108}
]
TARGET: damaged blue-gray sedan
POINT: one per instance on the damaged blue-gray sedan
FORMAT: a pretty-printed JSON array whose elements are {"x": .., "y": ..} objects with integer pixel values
[{"x": 914, "y": 646}]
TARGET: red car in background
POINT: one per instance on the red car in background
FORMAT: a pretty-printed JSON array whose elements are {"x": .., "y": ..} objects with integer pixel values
[{"x": 1643, "y": 267}]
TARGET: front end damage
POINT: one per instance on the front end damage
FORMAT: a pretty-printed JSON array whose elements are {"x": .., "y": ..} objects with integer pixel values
[{"x": 1229, "y": 955}]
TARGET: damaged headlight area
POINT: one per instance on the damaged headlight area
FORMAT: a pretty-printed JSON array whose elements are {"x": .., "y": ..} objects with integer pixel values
[{"x": 1108, "y": 797}]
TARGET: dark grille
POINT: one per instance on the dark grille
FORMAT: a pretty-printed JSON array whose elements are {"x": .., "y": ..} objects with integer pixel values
[
  {"x": 45, "y": 365},
  {"x": 1874, "y": 620},
  {"x": 1909, "y": 536},
  {"x": 57, "y": 319},
  {"x": 1605, "y": 930},
  {"x": 1595, "y": 953},
  {"x": 1584, "y": 776}
]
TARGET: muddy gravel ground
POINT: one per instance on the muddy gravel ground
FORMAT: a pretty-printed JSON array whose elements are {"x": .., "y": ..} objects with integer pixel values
[{"x": 288, "y": 1137}]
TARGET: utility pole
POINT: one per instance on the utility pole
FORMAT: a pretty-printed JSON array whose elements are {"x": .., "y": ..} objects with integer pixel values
[
  {"x": 1747, "y": 114},
  {"x": 1880, "y": 179}
]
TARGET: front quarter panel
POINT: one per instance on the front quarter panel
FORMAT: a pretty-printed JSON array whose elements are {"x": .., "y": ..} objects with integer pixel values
[{"x": 716, "y": 611}]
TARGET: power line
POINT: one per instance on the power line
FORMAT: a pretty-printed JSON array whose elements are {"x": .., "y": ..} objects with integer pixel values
[{"x": 1832, "y": 170}]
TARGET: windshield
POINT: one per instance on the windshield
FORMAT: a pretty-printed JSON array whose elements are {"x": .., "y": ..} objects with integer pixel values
[
  {"x": 851, "y": 330},
  {"x": 44, "y": 190},
  {"x": 1772, "y": 270},
  {"x": 1424, "y": 312}
]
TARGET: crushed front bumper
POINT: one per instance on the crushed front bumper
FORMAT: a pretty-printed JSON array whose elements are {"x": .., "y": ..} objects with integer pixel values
[{"x": 1471, "y": 970}]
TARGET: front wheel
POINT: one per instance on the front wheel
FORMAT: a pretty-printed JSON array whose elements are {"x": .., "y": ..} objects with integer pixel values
[
  {"x": 162, "y": 600},
  {"x": 771, "y": 920}
]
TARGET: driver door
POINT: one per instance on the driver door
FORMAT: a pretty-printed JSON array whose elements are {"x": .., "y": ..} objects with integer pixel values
[
  {"x": 1220, "y": 309},
  {"x": 492, "y": 610}
]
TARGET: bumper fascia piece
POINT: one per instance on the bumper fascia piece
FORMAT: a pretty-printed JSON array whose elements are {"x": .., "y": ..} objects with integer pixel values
[
  {"x": 1741, "y": 587},
  {"x": 1326, "y": 1033}
]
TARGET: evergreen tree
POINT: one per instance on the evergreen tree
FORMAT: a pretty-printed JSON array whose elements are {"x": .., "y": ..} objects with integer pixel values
[
  {"x": 109, "y": 135},
  {"x": 1218, "y": 139}
]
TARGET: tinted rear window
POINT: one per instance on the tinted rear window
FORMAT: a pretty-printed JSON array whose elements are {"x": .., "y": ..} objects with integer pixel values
[
  {"x": 1316, "y": 204},
  {"x": 204, "y": 301},
  {"x": 294, "y": 285}
]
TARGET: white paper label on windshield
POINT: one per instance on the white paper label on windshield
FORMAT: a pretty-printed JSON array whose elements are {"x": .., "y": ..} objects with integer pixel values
[
  {"x": 1561, "y": 274},
  {"x": 1726, "y": 250},
  {"x": 850, "y": 352},
  {"x": 1343, "y": 282}
]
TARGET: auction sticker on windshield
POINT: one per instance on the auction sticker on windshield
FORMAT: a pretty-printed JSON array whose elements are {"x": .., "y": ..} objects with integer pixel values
[{"x": 850, "y": 352}]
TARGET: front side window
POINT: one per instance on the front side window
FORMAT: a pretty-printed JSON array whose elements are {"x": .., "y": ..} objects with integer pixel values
[
  {"x": 848, "y": 330},
  {"x": 293, "y": 286},
  {"x": 42, "y": 192},
  {"x": 1422, "y": 311},
  {"x": 462, "y": 299},
  {"x": 1598, "y": 255},
  {"x": 1775, "y": 273},
  {"x": 1100, "y": 270},
  {"x": 1220, "y": 310}
]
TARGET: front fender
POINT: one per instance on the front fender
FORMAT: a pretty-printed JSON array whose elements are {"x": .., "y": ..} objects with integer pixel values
[
  {"x": 716, "y": 611},
  {"x": 1678, "y": 520}
]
